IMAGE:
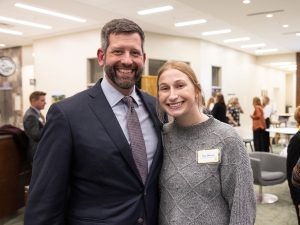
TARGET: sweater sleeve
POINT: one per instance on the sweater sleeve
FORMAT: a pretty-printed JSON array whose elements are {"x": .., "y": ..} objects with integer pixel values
[
  {"x": 257, "y": 114},
  {"x": 237, "y": 182}
]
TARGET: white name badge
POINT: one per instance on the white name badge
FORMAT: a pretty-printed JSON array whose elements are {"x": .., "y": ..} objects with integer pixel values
[{"x": 208, "y": 156}]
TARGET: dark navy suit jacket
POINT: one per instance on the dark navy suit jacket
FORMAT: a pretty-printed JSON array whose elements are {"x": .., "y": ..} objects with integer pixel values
[{"x": 84, "y": 172}]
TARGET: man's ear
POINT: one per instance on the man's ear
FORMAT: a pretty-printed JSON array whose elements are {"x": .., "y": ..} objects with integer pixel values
[{"x": 101, "y": 57}]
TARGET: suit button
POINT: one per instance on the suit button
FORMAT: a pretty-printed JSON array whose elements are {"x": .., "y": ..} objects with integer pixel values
[{"x": 140, "y": 220}]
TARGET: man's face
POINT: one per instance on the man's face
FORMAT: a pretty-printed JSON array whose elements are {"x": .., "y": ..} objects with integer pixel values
[
  {"x": 123, "y": 61},
  {"x": 40, "y": 103}
]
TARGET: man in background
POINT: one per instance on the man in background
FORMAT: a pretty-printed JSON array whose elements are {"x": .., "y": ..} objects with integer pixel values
[
  {"x": 89, "y": 168},
  {"x": 34, "y": 121}
]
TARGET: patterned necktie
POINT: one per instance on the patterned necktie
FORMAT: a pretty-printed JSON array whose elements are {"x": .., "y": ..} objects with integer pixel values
[{"x": 138, "y": 147}]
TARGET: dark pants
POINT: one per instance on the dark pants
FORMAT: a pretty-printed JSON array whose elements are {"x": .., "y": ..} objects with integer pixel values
[
  {"x": 297, "y": 213},
  {"x": 267, "y": 136},
  {"x": 258, "y": 139}
]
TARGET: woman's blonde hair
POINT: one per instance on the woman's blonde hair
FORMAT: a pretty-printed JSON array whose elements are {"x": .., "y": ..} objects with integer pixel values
[
  {"x": 256, "y": 101},
  {"x": 187, "y": 70},
  {"x": 297, "y": 115},
  {"x": 267, "y": 101},
  {"x": 210, "y": 101}
]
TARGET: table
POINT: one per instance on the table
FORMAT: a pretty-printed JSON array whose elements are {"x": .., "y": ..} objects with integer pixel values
[
  {"x": 284, "y": 130},
  {"x": 283, "y": 117}
]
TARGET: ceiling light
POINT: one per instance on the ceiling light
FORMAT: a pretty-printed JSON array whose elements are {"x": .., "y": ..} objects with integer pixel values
[
  {"x": 266, "y": 50},
  {"x": 280, "y": 63},
  {"x": 253, "y": 46},
  {"x": 216, "y": 32},
  {"x": 24, "y": 22},
  {"x": 50, "y": 13},
  {"x": 289, "y": 66},
  {"x": 155, "y": 10},
  {"x": 293, "y": 69},
  {"x": 269, "y": 15},
  {"x": 298, "y": 34},
  {"x": 285, "y": 25},
  {"x": 246, "y": 1},
  {"x": 189, "y": 23},
  {"x": 11, "y": 32},
  {"x": 2, "y": 45},
  {"x": 237, "y": 39}
]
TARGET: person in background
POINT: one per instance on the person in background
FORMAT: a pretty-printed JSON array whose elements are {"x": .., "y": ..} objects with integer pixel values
[
  {"x": 219, "y": 110},
  {"x": 234, "y": 110},
  {"x": 267, "y": 115},
  {"x": 100, "y": 154},
  {"x": 211, "y": 103},
  {"x": 258, "y": 126},
  {"x": 206, "y": 169},
  {"x": 293, "y": 154},
  {"x": 34, "y": 121}
]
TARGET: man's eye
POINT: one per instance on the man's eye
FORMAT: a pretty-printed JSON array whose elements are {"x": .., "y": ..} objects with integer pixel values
[{"x": 136, "y": 53}]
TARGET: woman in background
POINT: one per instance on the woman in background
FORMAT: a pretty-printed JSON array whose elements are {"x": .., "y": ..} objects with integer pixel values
[
  {"x": 219, "y": 110},
  {"x": 258, "y": 125},
  {"x": 292, "y": 157},
  {"x": 206, "y": 169},
  {"x": 211, "y": 103},
  {"x": 234, "y": 110},
  {"x": 267, "y": 115}
]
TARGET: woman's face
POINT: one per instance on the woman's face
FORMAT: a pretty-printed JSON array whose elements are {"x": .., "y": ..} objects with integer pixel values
[{"x": 177, "y": 95}]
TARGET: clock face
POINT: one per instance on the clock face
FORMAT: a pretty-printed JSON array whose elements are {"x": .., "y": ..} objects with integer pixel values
[{"x": 7, "y": 66}]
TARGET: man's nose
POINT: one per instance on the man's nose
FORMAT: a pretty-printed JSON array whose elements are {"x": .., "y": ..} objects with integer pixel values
[{"x": 126, "y": 60}]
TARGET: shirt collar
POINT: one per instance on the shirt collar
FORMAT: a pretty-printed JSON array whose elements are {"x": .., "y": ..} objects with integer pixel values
[
  {"x": 38, "y": 111},
  {"x": 113, "y": 96}
]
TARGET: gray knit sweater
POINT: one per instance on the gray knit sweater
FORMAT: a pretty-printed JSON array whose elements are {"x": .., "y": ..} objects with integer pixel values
[{"x": 194, "y": 194}]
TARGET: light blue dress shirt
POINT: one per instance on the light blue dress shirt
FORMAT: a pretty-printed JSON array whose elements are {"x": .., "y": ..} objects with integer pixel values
[{"x": 114, "y": 98}]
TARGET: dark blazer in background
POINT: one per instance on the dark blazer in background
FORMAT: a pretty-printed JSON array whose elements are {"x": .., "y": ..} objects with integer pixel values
[
  {"x": 84, "y": 171},
  {"x": 219, "y": 112},
  {"x": 33, "y": 125}
]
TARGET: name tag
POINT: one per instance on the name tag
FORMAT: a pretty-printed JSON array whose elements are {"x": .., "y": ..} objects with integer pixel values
[
  {"x": 208, "y": 156},
  {"x": 41, "y": 120}
]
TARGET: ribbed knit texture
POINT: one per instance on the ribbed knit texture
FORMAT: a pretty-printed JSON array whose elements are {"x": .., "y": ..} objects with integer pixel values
[{"x": 216, "y": 194}]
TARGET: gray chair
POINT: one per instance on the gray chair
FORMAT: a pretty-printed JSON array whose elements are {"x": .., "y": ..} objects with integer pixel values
[{"x": 268, "y": 169}]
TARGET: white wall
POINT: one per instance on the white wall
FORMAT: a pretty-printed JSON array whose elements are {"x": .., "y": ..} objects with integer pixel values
[{"x": 61, "y": 66}]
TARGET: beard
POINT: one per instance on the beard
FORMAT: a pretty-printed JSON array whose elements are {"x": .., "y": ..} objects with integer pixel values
[{"x": 123, "y": 82}]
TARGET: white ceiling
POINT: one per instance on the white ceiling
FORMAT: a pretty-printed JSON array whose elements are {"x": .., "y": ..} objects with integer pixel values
[{"x": 219, "y": 14}]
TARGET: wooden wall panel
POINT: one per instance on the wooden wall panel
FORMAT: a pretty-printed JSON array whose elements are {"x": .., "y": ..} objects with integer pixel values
[{"x": 148, "y": 84}]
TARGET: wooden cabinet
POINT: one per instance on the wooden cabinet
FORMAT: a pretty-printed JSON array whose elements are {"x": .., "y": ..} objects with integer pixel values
[{"x": 148, "y": 84}]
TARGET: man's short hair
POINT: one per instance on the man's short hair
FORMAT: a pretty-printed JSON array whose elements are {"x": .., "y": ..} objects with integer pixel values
[
  {"x": 120, "y": 26},
  {"x": 36, "y": 95}
]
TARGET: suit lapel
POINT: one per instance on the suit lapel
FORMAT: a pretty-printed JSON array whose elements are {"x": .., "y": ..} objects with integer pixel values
[{"x": 106, "y": 116}]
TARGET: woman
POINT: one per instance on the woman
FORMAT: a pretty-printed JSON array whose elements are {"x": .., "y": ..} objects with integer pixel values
[
  {"x": 258, "y": 126},
  {"x": 234, "y": 111},
  {"x": 219, "y": 110},
  {"x": 211, "y": 103},
  {"x": 267, "y": 114},
  {"x": 292, "y": 157},
  {"x": 206, "y": 171}
]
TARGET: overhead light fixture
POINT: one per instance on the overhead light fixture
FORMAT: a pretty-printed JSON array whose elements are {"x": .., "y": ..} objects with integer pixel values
[
  {"x": 289, "y": 66},
  {"x": 189, "y": 23},
  {"x": 298, "y": 34},
  {"x": 237, "y": 39},
  {"x": 10, "y": 32},
  {"x": 280, "y": 63},
  {"x": 269, "y": 15},
  {"x": 50, "y": 13},
  {"x": 155, "y": 10},
  {"x": 253, "y": 46},
  {"x": 246, "y": 1},
  {"x": 216, "y": 32},
  {"x": 25, "y": 23},
  {"x": 2, "y": 45},
  {"x": 266, "y": 50},
  {"x": 285, "y": 25}
]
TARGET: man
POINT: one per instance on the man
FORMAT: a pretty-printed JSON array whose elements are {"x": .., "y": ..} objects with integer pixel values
[
  {"x": 33, "y": 121},
  {"x": 84, "y": 170}
]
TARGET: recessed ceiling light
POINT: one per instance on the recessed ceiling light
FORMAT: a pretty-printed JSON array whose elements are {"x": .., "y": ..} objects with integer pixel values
[
  {"x": 289, "y": 66},
  {"x": 298, "y": 34},
  {"x": 246, "y": 1},
  {"x": 253, "y": 46},
  {"x": 237, "y": 39},
  {"x": 2, "y": 45},
  {"x": 50, "y": 13},
  {"x": 25, "y": 23},
  {"x": 266, "y": 50},
  {"x": 10, "y": 32},
  {"x": 216, "y": 32},
  {"x": 280, "y": 63},
  {"x": 285, "y": 25},
  {"x": 155, "y": 10},
  {"x": 189, "y": 23},
  {"x": 269, "y": 15}
]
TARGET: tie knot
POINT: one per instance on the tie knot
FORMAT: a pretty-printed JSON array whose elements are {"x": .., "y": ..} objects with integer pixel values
[{"x": 128, "y": 101}]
